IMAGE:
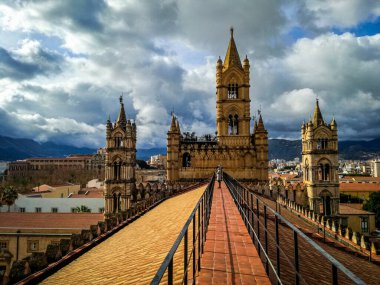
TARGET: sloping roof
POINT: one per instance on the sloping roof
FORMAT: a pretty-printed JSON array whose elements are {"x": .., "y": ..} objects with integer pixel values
[
  {"x": 348, "y": 209},
  {"x": 49, "y": 220},
  {"x": 359, "y": 187},
  {"x": 363, "y": 178},
  {"x": 42, "y": 188},
  {"x": 88, "y": 194}
]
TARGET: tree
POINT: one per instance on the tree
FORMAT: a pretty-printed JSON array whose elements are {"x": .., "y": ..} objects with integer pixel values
[
  {"x": 83, "y": 209},
  {"x": 9, "y": 196},
  {"x": 373, "y": 205}
]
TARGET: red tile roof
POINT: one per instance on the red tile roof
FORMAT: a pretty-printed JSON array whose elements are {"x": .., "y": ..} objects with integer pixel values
[
  {"x": 49, "y": 220},
  {"x": 361, "y": 187},
  {"x": 363, "y": 178}
]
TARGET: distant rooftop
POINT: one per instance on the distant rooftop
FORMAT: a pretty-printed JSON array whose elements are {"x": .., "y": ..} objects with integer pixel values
[{"x": 49, "y": 220}]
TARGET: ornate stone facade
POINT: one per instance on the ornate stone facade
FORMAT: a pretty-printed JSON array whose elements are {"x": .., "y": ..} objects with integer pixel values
[
  {"x": 120, "y": 163},
  {"x": 320, "y": 164},
  {"x": 242, "y": 154}
]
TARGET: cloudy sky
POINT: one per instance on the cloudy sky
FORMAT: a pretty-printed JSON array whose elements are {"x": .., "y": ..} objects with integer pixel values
[{"x": 63, "y": 65}]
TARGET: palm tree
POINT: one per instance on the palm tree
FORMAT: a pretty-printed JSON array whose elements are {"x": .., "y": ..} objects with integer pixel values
[
  {"x": 9, "y": 196},
  {"x": 83, "y": 209}
]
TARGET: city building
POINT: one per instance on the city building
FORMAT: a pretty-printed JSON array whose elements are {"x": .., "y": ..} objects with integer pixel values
[
  {"x": 241, "y": 153},
  {"x": 375, "y": 168},
  {"x": 24, "y": 234},
  {"x": 32, "y": 166}
]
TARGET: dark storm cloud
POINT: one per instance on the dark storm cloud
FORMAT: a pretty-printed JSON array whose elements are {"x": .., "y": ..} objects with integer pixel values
[
  {"x": 162, "y": 54},
  {"x": 42, "y": 62},
  {"x": 21, "y": 68}
]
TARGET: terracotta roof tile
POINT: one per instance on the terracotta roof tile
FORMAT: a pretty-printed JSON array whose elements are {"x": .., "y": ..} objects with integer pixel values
[
  {"x": 346, "y": 187},
  {"x": 348, "y": 209}
]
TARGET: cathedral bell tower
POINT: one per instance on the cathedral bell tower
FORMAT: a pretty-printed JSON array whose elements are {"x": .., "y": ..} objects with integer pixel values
[
  {"x": 232, "y": 98},
  {"x": 120, "y": 163},
  {"x": 320, "y": 164}
]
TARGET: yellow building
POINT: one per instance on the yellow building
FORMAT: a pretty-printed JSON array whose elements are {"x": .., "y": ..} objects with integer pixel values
[
  {"x": 357, "y": 219},
  {"x": 22, "y": 234},
  {"x": 241, "y": 153},
  {"x": 359, "y": 190},
  {"x": 56, "y": 191}
]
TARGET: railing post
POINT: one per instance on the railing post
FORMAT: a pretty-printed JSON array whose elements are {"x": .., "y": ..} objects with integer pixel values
[
  {"x": 253, "y": 217},
  {"x": 170, "y": 272},
  {"x": 266, "y": 237},
  {"x": 334, "y": 275},
  {"x": 194, "y": 250},
  {"x": 203, "y": 223},
  {"x": 277, "y": 248},
  {"x": 185, "y": 258},
  {"x": 199, "y": 237},
  {"x": 296, "y": 259},
  {"x": 258, "y": 224}
]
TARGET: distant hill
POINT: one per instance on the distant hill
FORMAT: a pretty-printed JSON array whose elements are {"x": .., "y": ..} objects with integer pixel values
[
  {"x": 355, "y": 150},
  {"x": 13, "y": 149}
]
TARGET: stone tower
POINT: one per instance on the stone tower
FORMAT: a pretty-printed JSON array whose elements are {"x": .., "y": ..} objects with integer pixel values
[
  {"x": 120, "y": 163},
  {"x": 173, "y": 150},
  {"x": 232, "y": 98},
  {"x": 320, "y": 164},
  {"x": 241, "y": 153}
]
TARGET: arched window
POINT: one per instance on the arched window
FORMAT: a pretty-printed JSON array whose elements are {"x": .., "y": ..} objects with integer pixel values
[
  {"x": 326, "y": 202},
  {"x": 322, "y": 143},
  {"x": 186, "y": 160},
  {"x": 306, "y": 174},
  {"x": 117, "y": 170},
  {"x": 116, "y": 202},
  {"x": 118, "y": 140},
  {"x": 233, "y": 125},
  {"x": 324, "y": 171},
  {"x": 236, "y": 124},
  {"x": 232, "y": 91}
]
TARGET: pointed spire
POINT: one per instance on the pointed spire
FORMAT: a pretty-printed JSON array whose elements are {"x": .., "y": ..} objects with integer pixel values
[
  {"x": 255, "y": 126},
  {"x": 260, "y": 125},
  {"x": 232, "y": 55},
  {"x": 121, "y": 119},
  {"x": 317, "y": 119},
  {"x": 173, "y": 124},
  {"x": 177, "y": 126},
  {"x": 333, "y": 123},
  {"x": 109, "y": 124}
]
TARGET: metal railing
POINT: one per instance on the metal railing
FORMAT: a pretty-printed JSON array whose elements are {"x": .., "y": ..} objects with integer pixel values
[
  {"x": 189, "y": 261},
  {"x": 288, "y": 255}
]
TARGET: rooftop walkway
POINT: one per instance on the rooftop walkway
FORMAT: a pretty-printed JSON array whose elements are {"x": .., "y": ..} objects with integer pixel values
[
  {"x": 134, "y": 254},
  {"x": 229, "y": 254}
]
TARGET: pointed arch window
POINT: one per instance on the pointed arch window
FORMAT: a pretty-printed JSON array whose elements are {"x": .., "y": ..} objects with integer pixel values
[
  {"x": 117, "y": 170},
  {"x": 186, "y": 160},
  {"x": 324, "y": 171},
  {"x": 232, "y": 91},
  {"x": 118, "y": 140},
  {"x": 322, "y": 143},
  {"x": 233, "y": 125}
]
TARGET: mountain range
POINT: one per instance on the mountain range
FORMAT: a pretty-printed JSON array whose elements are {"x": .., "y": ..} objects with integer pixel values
[{"x": 13, "y": 149}]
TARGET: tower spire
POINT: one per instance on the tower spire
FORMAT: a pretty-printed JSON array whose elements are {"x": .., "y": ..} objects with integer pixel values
[
  {"x": 232, "y": 55},
  {"x": 317, "y": 118},
  {"x": 122, "y": 118}
]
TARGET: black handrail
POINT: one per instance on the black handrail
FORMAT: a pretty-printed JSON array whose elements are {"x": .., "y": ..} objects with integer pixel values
[
  {"x": 199, "y": 216},
  {"x": 246, "y": 210}
]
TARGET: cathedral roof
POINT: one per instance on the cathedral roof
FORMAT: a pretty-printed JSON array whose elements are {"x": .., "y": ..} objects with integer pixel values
[
  {"x": 232, "y": 56},
  {"x": 317, "y": 119}
]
